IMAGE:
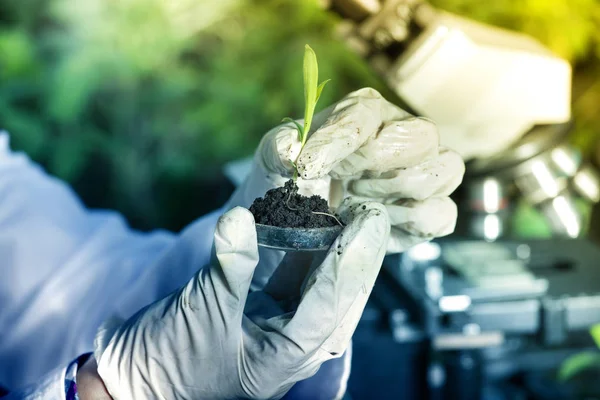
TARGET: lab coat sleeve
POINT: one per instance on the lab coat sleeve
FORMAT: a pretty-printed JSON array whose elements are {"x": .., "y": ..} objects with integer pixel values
[{"x": 65, "y": 269}]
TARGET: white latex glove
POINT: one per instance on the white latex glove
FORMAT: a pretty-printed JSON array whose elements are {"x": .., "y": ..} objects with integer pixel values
[
  {"x": 213, "y": 340},
  {"x": 365, "y": 146}
]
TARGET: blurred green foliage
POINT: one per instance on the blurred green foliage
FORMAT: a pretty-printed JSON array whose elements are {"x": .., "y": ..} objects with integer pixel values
[{"x": 139, "y": 103}]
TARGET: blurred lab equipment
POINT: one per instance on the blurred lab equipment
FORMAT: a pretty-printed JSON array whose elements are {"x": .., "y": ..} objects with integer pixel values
[
  {"x": 481, "y": 314},
  {"x": 499, "y": 98},
  {"x": 469, "y": 319}
]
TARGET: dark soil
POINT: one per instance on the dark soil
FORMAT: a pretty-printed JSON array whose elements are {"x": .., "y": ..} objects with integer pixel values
[{"x": 284, "y": 207}]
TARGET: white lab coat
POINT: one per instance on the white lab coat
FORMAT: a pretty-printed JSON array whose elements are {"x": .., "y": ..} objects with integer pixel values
[{"x": 65, "y": 269}]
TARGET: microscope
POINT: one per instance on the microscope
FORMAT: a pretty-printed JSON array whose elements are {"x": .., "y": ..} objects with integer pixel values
[
  {"x": 499, "y": 98},
  {"x": 482, "y": 313}
]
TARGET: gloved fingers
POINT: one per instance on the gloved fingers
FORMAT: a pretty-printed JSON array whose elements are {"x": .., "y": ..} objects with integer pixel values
[
  {"x": 236, "y": 251},
  {"x": 400, "y": 241},
  {"x": 277, "y": 152},
  {"x": 286, "y": 281},
  {"x": 352, "y": 206},
  {"x": 438, "y": 177},
  {"x": 335, "y": 293},
  {"x": 350, "y": 123},
  {"x": 415, "y": 222},
  {"x": 279, "y": 148},
  {"x": 396, "y": 144},
  {"x": 389, "y": 111},
  {"x": 433, "y": 217},
  {"x": 412, "y": 222}
]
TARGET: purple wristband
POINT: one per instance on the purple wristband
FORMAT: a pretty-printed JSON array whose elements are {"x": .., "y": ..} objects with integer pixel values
[{"x": 71, "y": 376}]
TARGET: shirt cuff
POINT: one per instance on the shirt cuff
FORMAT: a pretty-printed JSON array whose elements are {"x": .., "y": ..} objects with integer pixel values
[{"x": 71, "y": 376}]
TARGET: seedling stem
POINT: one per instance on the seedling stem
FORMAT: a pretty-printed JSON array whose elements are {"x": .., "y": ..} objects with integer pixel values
[{"x": 312, "y": 92}]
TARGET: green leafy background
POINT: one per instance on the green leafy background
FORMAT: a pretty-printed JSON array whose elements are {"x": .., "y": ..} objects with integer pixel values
[{"x": 139, "y": 103}]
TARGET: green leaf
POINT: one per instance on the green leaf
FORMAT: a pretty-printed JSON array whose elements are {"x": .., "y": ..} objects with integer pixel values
[
  {"x": 17, "y": 54},
  {"x": 595, "y": 333},
  {"x": 75, "y": 82},
  {"x": 298, "y": 126},
  {"x": 311, "y": 79},
  {"x": 320, "y": 89},
  {"x": 577, "y": 363}
]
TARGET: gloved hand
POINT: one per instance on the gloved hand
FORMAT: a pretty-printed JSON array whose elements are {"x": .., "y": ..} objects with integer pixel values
[
  {"x": 213, "y": 340},
  {"x": 367, "y": 147}
]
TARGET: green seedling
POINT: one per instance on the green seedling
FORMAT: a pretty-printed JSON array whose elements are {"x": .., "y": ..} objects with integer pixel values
[{"x": 312, "y": 92}]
